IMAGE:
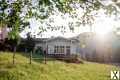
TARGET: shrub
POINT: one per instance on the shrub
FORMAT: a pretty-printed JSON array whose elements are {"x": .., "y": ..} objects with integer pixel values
[{"x": 73, "y": 59}]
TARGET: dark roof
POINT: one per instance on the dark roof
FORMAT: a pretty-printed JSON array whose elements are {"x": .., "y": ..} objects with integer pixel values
[
  {"x": 42, "y": 40},
  {"x": 59, "y": 37}
]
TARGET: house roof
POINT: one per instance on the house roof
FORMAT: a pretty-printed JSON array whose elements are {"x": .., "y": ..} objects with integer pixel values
[
  {"x": 43, "y": 40},
  {"x": 59, "y": 37},
  {"x": 40, "y": 39}
]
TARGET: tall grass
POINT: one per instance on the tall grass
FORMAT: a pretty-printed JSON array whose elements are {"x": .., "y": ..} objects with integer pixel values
[{"x": 53, "y": 70}]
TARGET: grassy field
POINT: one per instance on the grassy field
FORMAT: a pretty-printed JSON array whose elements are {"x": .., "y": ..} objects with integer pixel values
[{"x": 53, "y": 70}]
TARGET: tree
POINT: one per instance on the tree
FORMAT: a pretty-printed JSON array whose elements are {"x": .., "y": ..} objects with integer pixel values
[
  {"x": 30, "y": 42},
  {"x": 30, "y": 45},
  {"x": 15, "y": 13}
]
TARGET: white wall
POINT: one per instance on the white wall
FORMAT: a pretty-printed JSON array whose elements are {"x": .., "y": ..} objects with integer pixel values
[
  {"x": 74, "y": 46},
  {"x": 61, "y": 42}
]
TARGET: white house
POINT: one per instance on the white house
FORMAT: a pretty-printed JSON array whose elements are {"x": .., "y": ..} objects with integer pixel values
[{"x": 59, "y": 46}]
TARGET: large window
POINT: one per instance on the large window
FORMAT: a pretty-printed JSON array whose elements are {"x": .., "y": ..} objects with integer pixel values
[
  {"x": 58, "y": 49},
  {"x": 62, "y": 49},
  {"x": 55, "y": 49}
]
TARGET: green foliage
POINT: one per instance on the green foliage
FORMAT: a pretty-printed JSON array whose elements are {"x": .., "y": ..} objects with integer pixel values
[
  {"x": 29, "y": 43},
  {"x": 53, "y": 70},
  {"x": 16, "y": 13}
]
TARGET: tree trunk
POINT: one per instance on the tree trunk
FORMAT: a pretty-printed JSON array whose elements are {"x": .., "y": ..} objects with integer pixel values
[
  {"x": 45, "y": 59},
  {"x": 45, "y": 56}
]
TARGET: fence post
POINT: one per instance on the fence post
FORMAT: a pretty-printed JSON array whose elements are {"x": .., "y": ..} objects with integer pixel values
[
  {"x": 45, "y": 57},
  {"x": 14, "y": 54},
  {"x": 30, "y": 57},
  {"x": 13, "y": 57}
]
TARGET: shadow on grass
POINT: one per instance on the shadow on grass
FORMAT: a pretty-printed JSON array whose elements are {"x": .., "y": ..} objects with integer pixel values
[
  {"x": 37, "y": 57},
  {"x": 41, "y": 58}
]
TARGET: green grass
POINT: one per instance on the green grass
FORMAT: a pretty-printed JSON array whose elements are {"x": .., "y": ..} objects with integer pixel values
[{"x": 53, "y": 70}]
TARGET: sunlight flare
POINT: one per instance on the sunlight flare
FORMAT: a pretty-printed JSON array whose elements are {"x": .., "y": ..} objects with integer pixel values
[{"x": 102, "y": 30}]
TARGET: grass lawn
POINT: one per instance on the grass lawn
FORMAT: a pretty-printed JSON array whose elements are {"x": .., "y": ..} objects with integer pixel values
[{"x": 53, "y": 70}]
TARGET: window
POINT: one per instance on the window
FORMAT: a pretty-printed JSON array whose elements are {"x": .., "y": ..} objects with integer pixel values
[
  {"x": 55, "y": 49},
  {"x": 67, "y": 46},
  {"x": 62, "y": 49},
  {"x": 58, "y": 49}
]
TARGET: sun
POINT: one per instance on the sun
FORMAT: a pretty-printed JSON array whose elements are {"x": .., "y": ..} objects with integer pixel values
[{"x": 102, "y": 30}]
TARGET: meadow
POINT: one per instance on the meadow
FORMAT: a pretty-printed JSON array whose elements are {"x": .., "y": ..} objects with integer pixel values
[{"x": 53, "y": 70}]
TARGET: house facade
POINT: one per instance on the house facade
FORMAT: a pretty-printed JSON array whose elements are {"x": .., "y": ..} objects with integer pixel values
[
  {"x": 58, "y": 46},
  {"x": 97, "y": 48}
]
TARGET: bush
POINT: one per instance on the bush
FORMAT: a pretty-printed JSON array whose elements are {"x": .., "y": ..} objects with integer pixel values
[{"x": 73, "y": 59}]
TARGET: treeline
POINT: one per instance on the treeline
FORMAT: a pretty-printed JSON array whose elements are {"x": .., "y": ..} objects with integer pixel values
[{"x": 15, "y": 45}]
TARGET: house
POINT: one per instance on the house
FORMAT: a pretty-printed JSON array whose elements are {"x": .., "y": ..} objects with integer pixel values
[
  {"x": 96, "y": 48},
  {"x": 88, "y": 45},
  {"x": 85, "y": 39},
  {"x": 58, "y": 46}
]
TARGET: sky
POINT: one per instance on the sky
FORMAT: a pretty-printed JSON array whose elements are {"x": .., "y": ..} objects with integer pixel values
[
  {"x": 102, "y": 25},
  {"x": 58, "y": 21}
]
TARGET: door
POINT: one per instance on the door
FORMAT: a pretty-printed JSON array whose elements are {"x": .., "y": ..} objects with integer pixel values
[{"x": 68, "y": 50}]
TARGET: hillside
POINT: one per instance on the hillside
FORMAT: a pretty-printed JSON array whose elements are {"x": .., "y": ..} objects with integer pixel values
[{"x": 53, "y": 70}]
